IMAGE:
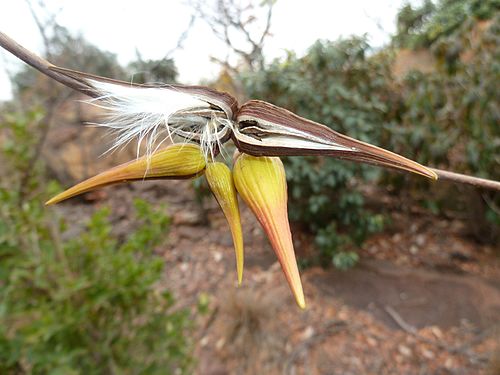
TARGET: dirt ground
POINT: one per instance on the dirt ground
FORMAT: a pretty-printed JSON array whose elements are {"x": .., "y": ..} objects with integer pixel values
[{"x": 424, "y": 299}]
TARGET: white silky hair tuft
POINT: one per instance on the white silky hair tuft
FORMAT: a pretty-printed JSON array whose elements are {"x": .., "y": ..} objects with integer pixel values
[{"x": 143, "y": 113}]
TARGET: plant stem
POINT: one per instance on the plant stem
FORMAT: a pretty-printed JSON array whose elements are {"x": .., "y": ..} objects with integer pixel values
[{"x": 466, "y": 179}]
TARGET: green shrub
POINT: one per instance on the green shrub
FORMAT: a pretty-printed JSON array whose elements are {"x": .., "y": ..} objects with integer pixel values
[
  {"x": 449, "y": 118},
  {"x": 88, "y": 305},
  {"x": 422, "y": 25}
]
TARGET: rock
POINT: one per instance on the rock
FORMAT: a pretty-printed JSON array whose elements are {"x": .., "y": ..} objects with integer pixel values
[
  {"x": 449, "y": 364},
  {"x": 220, "y": 343},
  {"x": 404, "y": 350},
  {"x": 428, "y": 354},
  {"x": 420, "y": 240},
  {"x": 217, "y": 256},
  {"x": 186, "y": 218},
  {"x": 397, "y": 237},
  {"x": 437, "y": 332},
  {"x": 413, "y": 249},
  {"x": 204, "y": 341},
  {"x": 308, "y": 333}
]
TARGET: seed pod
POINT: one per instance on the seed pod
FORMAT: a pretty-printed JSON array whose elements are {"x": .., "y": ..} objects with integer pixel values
[
  {"x": 221, "y": 183},
  {"x": 261, "y": 183},
  {"x": 174, "y": 162},
  {"x": 263, "y": 129}
]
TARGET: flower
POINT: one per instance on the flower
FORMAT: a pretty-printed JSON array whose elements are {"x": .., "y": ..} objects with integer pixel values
[
  {"x": 260, "y": 181},
  {"x": 220, "y": 180},
  {"x": 203, "y": 120}
]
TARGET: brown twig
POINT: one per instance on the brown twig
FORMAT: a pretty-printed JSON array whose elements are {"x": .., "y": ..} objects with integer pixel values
[
  {"x": 328, "y": 329},
  {"x": 465, "y": 179},
  {"x": 231, "y": 22},
  {"x": 179, "y": 45},
  {"x": 460, "y": 350},
  {"x": 39, "y": 63},
  {"x": 408, "y": 328},
  {"x": 182, "y": 38},
  {"x": 209, "y": 322}
]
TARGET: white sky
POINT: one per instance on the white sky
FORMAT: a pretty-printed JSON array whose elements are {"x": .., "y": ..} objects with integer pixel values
[{"x": 153, "y": 27}]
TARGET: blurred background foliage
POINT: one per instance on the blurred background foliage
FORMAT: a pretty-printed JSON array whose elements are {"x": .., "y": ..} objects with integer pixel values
[
  {"x": 91, "y": 304},
  {"x": 442, "y": 111},
  {"x": 421, "y": 26}
]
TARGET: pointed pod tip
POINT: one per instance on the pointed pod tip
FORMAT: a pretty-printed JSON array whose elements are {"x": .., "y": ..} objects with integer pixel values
[
  {"x": 297, "y": 291},
  {"x": 240, "y": 277},
  {"x": 235, "y": 227},
  {"x": 425, "y": 171},
  {"x": 301, "y": 303},
  {"x": 52, "y": 201},
  {"x": 177, "y": 161}
]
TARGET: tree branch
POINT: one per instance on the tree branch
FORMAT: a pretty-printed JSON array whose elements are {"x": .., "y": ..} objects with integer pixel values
[
  {"x": 469, "y": 180},
  {"x": 232, "y": 21},
  {"x": 41, "y": 28},
  {"x": 462, "y": 350},
  {"x": 39, "y": 63},
  {"x": 182, "y": 38}
]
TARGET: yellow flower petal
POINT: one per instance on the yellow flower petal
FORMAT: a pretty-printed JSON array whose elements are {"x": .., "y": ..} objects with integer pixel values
[
  {"x": 262, "y": 184},
  {"x": 174, "y": 162},
  {"x": 221, "y": 183}
]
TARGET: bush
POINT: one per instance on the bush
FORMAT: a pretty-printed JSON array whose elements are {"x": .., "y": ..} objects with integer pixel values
[
  {"x": 89, "y": 305},
  {"x": 449, "y": 118},
  {"x": 421, "y": 26}
]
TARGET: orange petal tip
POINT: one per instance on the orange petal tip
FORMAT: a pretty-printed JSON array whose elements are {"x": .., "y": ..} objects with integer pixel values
[{"x": 261, "y": 183}]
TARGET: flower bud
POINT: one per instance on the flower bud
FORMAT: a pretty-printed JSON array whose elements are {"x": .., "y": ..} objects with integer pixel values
[
  {"x": 221, "y": 183},
  {"x": 174, "y": 162},
  {"x": 262, "y": 184}
]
